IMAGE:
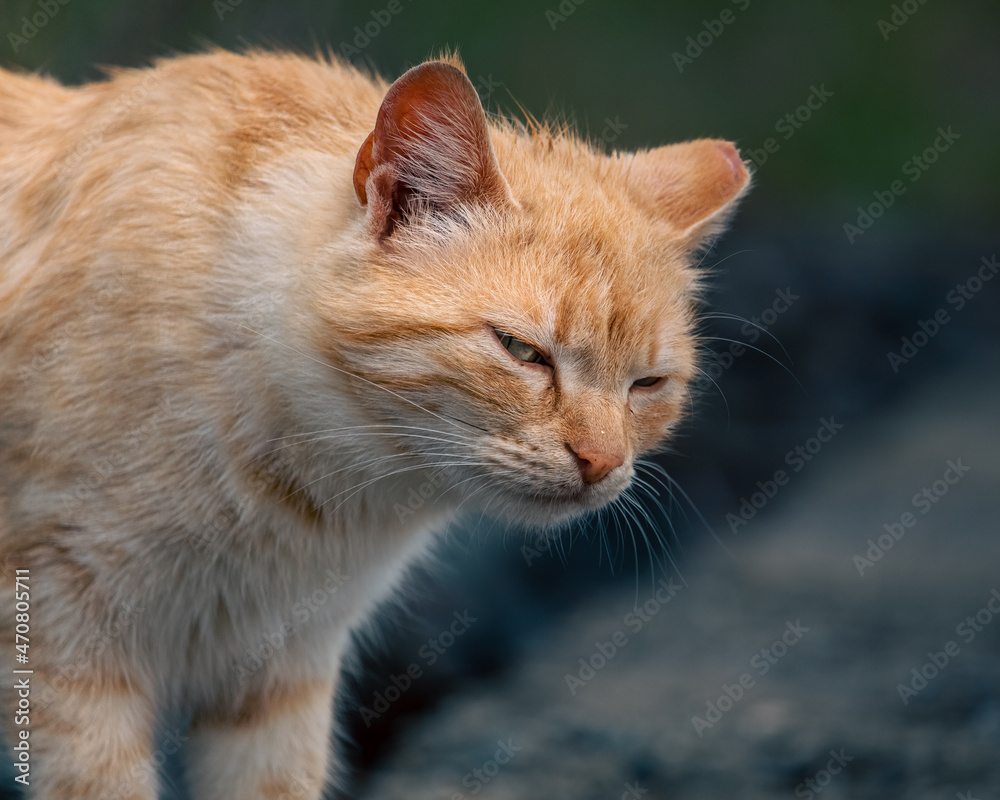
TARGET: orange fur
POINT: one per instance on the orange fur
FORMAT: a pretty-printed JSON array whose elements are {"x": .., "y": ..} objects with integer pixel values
[{"x": 247, "y": 309}]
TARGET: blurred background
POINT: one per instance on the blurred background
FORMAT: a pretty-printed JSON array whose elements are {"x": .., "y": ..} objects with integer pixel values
[{"x": 828, "y": 621}]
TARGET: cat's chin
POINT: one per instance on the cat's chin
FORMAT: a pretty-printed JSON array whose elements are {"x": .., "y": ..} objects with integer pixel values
[{"x": 550, "y": 512}]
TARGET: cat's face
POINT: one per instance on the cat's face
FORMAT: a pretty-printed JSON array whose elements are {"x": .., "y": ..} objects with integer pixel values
[{"x": 528, "y": 305}]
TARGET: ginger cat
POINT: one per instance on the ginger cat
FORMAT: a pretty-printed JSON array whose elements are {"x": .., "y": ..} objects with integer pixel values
[{"x": 251, "y": 306}]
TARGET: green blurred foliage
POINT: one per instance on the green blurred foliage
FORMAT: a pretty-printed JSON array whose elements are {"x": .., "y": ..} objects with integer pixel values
[{"x": 614, "y": 68}]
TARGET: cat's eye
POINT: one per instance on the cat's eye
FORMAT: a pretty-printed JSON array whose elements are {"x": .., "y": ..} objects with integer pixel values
[
  {"x": 520, "y": 349},
  {"x": 647, "y": 383}
]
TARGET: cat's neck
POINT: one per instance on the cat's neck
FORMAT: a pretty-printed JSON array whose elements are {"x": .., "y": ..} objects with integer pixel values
[{"x": 311, "y": 450}]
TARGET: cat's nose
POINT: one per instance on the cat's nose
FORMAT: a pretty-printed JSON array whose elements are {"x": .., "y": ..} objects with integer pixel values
[{"x": 595, "y": 462}]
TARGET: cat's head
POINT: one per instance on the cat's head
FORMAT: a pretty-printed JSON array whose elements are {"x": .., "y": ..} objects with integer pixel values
[{"x": 527, "y": 302}]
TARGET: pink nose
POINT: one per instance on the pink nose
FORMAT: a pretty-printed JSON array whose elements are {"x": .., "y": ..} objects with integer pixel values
[{"x": 595, "y": 463}]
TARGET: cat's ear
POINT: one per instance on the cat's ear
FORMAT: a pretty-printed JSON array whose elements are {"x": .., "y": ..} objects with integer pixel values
[
  {"x": 692, "y": 186},
  {"x": 431, "y": 148}
]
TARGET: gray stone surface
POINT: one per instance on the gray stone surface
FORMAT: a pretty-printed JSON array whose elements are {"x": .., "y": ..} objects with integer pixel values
[{"x": 835, "y": 689}]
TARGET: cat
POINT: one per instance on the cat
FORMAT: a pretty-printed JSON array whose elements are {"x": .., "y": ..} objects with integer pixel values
[{"x": 266, "y": 325}]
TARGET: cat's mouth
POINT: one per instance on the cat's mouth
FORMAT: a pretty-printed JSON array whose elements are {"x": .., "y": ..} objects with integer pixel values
[
  {"x": 540, "y": 494},
  {"x": 554, "y": 505}
]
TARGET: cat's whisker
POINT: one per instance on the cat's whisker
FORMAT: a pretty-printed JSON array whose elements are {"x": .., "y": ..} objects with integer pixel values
[
  {"x": 738, "y": 318},
  {"x": 603, "y": 541},
  {"x": 469, "y": 496},
  {"x": 597, "y": 525},
  {"x": 718, "y": 388},
  {"x": 720, "y": 261},
  {"x": 363, "y": 465},
  {"x": 620, "y": 542},
  {"x": 371, "y": 426},
  {"x": 656, "y": 529},
  {"x": 655, "y": 468},
  {"x": 633, "y": 500},
  {"x": 561, "y": 550},
  {"x": 631, "y": 507},
  {"x": 630, "y": 523},
  {"x": 620, "y": 539},
  {"x": 757, "y": 350},
  {"x": 360, "y": 487},
  {"x": 444, "y": 418},
  {"x": 654, "y": 492},
  {"x": 655, "y": 497},
  {"x": 652, "y": 466},
  {"x": 488, "y": 481},
  {"x": 618, "y": 505},
  {"x": 446, "y": 442},
  {"x": 500, "y": 488},
  {"x": 489, "y": 478},
  {"x": 674, "y": 485}
]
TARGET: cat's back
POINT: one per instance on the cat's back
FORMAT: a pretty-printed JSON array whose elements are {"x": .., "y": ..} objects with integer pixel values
[
  {"x": 260, "y": 93},
  {"x": 117, "y": 203},
  {"x": 177, "y": 142},
  {"x": 25, "y": 101},
  {"x": 30, "y": 135}
]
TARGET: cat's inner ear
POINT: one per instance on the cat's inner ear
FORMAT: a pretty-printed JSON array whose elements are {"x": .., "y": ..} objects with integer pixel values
[
  {"x": 692, "y": 186},
  {"x": 430, "y": 149}
]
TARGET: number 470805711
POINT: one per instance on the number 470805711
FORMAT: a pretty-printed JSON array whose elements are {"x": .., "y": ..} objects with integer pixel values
[{"x": 22, "y": 597}]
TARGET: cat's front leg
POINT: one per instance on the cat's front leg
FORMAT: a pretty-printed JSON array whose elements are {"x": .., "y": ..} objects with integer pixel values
[
  {"x": 273, "y": 746},
  {"x": 91, "y": 736}
]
